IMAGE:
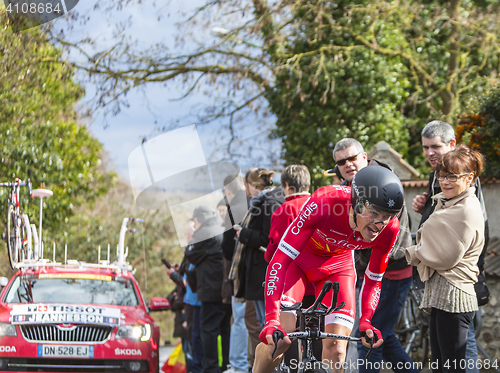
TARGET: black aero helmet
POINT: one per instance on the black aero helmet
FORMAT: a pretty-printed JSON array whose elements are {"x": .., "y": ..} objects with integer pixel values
[{"x": 378, "y": 187}]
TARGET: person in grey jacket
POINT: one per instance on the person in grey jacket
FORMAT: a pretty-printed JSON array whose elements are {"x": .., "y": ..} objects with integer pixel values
[
  {"x": 448, "y": 247},
  {"x": 205, "y": 253}
]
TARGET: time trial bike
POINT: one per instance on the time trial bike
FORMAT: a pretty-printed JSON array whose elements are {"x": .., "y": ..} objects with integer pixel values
[{"x": 311, "y": 328}]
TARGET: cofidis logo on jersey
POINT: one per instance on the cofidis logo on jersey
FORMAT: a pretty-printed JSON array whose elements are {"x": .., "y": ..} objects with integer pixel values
[
  {"x": 272, "y": 279},
  {"x": 304, "y": 214}
]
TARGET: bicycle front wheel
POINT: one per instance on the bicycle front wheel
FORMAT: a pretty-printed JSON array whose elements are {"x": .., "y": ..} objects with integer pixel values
[{"x": 12, "y": 236}]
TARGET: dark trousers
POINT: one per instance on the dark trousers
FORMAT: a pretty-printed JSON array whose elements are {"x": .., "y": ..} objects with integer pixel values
[
  {"x": 188, "y": 353},
  {"x": 253, "y": 326},
  {"x": 197, "y": 346},
  {"x": 215, "y": 321},
  {"x": 392, "y": 299},
  {"x": 188, "y": 312},
  {"x": 448, "y": 337}
]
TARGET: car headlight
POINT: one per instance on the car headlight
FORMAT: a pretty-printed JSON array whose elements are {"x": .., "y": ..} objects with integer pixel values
[
  {"x": 139, "y": 332},
  {"x": 7, "y": 329}
]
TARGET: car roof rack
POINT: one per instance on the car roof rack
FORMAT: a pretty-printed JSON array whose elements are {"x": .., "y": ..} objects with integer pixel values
[{"x": 120, "y": 265}]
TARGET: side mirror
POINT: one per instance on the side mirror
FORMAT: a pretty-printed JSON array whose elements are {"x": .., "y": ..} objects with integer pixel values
[{"x": 159, "y": 304}]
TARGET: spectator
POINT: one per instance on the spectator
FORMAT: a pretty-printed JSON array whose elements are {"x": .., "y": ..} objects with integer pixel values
[
  {"x": 206, "y": 254},
  {"x": 194, "y": 349},
  {"x": 176, "y": 299},
  {"x": 448, "y": 247},
  {"x": 238, "y": 206},
  {"x": 438, "y": 138},
  {"x": 295, "y": 181},
  {"x": 222, "y": 209},
  {"x": 251, "y": 321},
  {"x": 351, "y": 158},
  {"x": 253, "y": 238}
]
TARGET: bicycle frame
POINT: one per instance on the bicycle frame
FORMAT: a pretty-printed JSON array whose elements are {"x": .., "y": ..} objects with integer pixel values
[{"x": 307, "y": 334}]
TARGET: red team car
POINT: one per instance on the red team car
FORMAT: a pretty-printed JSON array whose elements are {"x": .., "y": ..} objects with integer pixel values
[{"x": 77, "y": 318}]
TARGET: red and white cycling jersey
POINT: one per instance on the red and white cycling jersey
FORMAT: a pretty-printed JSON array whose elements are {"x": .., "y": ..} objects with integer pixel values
[{"x": 321, "y": 234}]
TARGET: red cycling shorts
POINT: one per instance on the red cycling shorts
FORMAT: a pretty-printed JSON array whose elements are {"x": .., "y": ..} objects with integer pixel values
[{"x": 312, "y": 268}]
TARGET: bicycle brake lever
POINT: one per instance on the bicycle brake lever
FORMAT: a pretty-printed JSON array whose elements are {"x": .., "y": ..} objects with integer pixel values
[
  {"x": 277, "y": 335},
  {"x": 370, "y": 350},
  {"x": 370, "y": 341}
]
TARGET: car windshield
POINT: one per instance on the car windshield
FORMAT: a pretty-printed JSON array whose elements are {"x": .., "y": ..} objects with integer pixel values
[{"x": 71, "y": 288}]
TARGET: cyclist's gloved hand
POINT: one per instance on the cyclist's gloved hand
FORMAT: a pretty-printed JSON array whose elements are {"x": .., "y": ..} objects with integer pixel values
[
  {"x": 364, "y": 325},
  {"x": 269, "y": 327}
]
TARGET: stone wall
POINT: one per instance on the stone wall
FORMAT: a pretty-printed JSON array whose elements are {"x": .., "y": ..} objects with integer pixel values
[
  {"x": 490, "y": 332},
  {"x": 491, "y": 193}
]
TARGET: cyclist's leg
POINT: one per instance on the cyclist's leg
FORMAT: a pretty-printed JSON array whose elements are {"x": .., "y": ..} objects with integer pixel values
[
  {"x": 295, "y": 282},
  {"x": 340, "y": 322},
  {"x": 334, "y": 350}
]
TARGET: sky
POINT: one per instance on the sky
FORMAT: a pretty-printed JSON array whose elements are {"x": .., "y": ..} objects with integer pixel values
[{"x": 153, "y": 107}]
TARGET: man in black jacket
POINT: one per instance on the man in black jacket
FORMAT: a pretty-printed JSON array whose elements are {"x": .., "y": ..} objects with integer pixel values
[
  {"x": 234, "y": 189},
  {"x": 206, "y": 254}
]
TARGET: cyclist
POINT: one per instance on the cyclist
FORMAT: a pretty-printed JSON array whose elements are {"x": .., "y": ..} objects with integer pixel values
[{"x": 335, "y": 221}]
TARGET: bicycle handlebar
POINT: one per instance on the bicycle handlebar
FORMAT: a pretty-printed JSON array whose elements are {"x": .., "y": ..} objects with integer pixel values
[
  {"x": 313, "y": 335},
  {"x": 316, "y": 334},
  {"x": 16, "y": 183}
]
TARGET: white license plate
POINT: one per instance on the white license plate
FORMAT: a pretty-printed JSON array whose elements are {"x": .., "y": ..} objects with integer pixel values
[{"x": 65, "y": 351}]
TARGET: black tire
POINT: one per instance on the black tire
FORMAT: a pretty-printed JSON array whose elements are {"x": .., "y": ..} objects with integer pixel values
[
  {"x": 11, "y": 236},
  {"x": 23, "y": 250}
]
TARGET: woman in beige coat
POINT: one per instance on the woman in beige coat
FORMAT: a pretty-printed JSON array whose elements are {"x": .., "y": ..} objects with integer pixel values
[{"x": 446, "y": 254}]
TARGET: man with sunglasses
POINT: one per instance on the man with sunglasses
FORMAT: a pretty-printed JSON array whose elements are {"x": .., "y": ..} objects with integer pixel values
[
  {"x": 438, "y": 138},
  {"x": 350, "y": 158}
]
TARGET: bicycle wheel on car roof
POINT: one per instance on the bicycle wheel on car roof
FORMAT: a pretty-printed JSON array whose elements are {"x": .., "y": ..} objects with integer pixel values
[
  {"x": 25, "y": 249},
  {"x": 12, "y": 236}
]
